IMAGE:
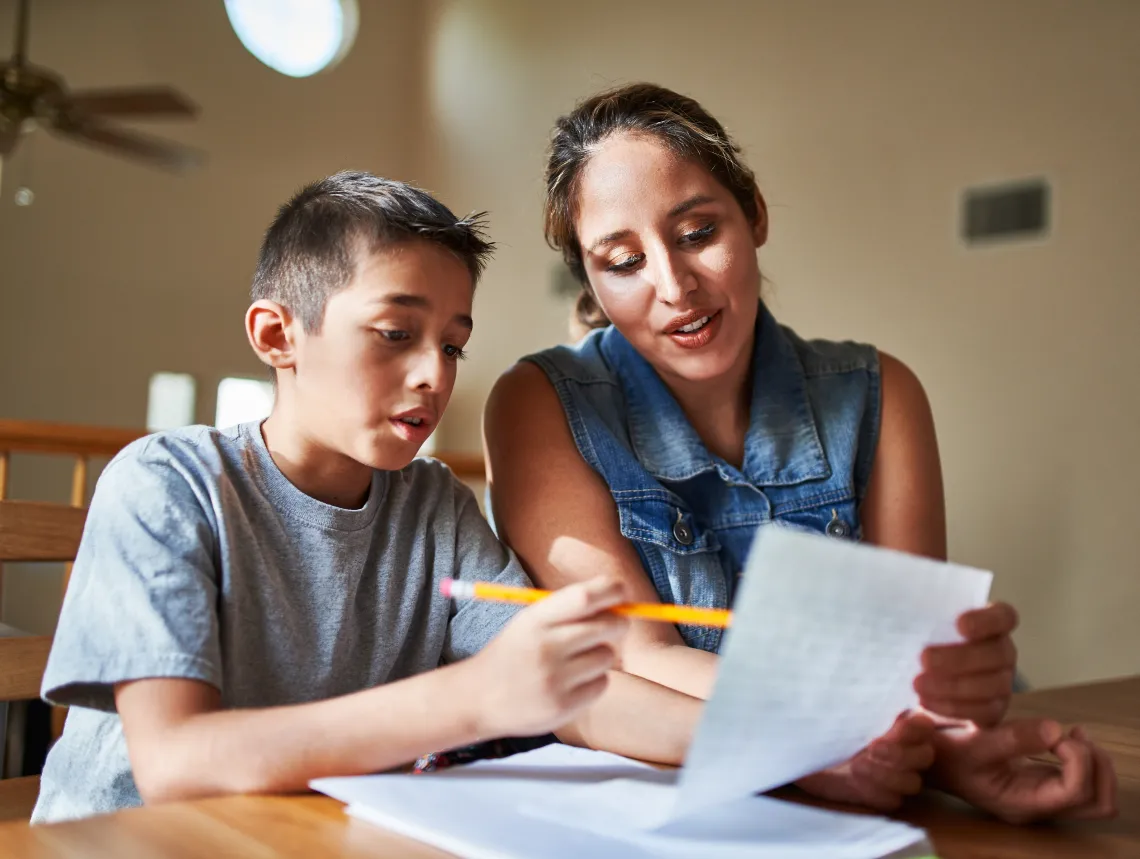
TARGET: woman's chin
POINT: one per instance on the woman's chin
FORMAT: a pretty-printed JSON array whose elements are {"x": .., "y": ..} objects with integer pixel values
[{"x": 712, "y": 367}]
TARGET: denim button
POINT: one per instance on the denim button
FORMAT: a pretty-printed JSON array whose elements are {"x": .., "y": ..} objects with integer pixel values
[
  {"x": 682, "y": 533},
  {"x": 837, "y": 527}
]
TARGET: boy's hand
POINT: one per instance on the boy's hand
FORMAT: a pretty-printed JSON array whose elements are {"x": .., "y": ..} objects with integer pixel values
[
  {"x": 973, "y": 679},
  {"x": 550, "y": 662},
  {"x": 991, "y": 769},
  {"x": 885, "y": 772}
]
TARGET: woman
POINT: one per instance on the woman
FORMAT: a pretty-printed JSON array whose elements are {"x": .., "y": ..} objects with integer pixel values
[{"x": 654, "y": 448}]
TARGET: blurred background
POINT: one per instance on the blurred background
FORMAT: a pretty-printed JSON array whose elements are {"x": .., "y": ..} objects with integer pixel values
[{"x": 869, "y": 123}]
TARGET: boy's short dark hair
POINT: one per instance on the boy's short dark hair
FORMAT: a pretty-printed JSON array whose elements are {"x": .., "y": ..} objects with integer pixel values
[{"x": 311, "y": 249}]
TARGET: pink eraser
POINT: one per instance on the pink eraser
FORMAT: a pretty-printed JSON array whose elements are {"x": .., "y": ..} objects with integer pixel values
[{"x": 445, "y": 587}]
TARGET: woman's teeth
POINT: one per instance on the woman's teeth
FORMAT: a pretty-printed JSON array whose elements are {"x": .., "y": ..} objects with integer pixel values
[
  {"x": 694, "y": 326},
  {"x": 413, "y": 421}
]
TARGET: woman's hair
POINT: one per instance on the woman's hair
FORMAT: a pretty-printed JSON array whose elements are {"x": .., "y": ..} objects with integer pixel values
[{"x": 677, "y": 121}]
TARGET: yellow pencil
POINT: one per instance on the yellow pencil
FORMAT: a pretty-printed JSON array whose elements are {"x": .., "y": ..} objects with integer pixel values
[{"x": 682, "y": 614}]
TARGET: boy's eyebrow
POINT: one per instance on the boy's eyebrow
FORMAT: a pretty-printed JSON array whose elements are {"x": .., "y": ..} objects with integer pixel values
[
  {"x": 403, "y": 299},
  {"x": 420, "y": 302},
  {"x": 679, "y": 209}
]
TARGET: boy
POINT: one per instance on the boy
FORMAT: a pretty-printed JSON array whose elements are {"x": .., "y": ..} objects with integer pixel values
[{"x": 258, "y": 606}]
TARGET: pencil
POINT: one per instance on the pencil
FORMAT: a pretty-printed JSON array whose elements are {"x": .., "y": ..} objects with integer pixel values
[{"x": 682, "y": 614}]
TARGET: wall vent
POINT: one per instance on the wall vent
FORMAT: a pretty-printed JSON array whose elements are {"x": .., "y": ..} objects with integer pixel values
[{"x": 1006, "y": 212}]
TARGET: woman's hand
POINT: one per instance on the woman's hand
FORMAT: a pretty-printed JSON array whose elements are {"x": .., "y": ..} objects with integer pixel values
[
  {"x": 883, "y": 774},
  {"x": 973, "y": 679},
  {"x": 995, "y": 769}
]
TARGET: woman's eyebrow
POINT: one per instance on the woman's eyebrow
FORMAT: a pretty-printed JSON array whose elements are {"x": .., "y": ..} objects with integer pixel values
[
  {"x": 679, "y": 209},
  {"x": 691, "y": 203}
]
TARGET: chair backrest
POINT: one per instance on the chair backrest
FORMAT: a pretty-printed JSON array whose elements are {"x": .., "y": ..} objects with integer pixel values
[
  {"x": 32, "y": 531},
  {"x": 36, "y": 531}
]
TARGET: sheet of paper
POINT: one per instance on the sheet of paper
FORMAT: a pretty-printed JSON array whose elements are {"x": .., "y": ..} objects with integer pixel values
[
  {"x": 638, "y": 812},
  {"x": 823, "y": 650},
  {"x": 554, "y": 802}
]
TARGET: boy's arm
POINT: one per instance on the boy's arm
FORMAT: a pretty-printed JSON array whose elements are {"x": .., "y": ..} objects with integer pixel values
[
  {"x": 182, "y": 745},
  {"x": 540, "y": 671},
  {"x": 637, "y": 718}
]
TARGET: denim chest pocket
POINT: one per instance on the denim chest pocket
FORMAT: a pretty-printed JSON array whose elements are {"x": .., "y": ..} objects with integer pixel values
[
  {"x": 663, "y": 521},
  {"x": 681, "y": 556},
  {"x": 835, "y": 515}
]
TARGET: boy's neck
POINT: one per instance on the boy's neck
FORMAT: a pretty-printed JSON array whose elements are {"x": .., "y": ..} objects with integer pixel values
[{"x": 319, "y": 472}]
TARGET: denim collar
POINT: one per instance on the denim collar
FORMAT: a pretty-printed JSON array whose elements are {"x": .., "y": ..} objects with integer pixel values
[{"x": 782, "y": 446}]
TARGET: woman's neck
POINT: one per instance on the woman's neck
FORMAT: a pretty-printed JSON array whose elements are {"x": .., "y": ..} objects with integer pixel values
[{"x": 720, "y": 409}]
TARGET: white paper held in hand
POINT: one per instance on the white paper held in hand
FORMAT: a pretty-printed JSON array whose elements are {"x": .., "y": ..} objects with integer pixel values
[{"x": 824, "y": 647}]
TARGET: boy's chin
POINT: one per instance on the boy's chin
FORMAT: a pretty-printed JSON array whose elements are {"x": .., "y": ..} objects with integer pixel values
[{"x": 392, "y": 456}]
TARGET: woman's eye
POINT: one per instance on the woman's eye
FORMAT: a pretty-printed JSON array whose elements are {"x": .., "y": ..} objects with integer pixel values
[
  {"x": 629, "y": 263},
  {"x": 393, "y": 336},
  {"x": 697, "y": 236},
  {"x": 454, "y": 352}
]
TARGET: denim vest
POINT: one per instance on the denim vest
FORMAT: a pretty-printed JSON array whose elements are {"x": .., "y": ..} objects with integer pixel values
[{"x": 691, "y": 515}]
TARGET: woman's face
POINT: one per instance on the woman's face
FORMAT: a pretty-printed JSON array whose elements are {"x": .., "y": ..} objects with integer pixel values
[{"x": 670, "y": 256}]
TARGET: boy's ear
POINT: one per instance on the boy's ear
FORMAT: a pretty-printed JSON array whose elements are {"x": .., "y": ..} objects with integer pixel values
[
  {"x": 760, "y": 226},
  {"x": 270, "y": 329}
]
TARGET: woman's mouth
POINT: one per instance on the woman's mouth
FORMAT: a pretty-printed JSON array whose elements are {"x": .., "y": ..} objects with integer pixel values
[{"x": 697, "y": 332}]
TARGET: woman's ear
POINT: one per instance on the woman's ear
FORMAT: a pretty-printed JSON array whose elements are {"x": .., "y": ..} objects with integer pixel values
[
  {"x": 269, "y": 327},
  {"x": 760, "y": 225}
]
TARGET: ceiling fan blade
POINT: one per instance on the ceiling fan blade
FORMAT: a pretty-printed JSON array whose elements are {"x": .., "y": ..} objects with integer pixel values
[
  {"x": 20, "y": 54},
  {"x": 158, "y": 153},
  {"x": 140, "y": 102}
]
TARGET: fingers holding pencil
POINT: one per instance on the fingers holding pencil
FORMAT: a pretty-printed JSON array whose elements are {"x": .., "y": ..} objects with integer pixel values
[{"x": 551, "y": 660}]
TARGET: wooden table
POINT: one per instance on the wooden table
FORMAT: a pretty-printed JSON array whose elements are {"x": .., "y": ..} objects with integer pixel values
[{"x": 315, "y": 826}]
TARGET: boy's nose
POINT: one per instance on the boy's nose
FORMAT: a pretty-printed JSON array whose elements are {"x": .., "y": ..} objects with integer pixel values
[{"x": 429, "y": 372}]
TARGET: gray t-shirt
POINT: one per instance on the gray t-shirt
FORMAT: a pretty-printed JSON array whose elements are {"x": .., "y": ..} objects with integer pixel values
[{"x": 201, "y": 560}]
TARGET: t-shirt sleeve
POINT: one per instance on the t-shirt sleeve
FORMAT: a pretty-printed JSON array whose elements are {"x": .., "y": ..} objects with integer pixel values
[
  {"x": 143, "y": 593},
  {"x": 479, "y": 555}
]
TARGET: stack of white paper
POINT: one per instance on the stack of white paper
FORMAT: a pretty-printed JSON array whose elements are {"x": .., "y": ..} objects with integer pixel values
[
  {"x": 824, "y": 647},
  {"x": 564, "y": 803}
]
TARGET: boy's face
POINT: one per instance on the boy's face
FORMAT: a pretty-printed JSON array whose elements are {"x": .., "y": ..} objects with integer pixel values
[{"x": 373, "y": 383}]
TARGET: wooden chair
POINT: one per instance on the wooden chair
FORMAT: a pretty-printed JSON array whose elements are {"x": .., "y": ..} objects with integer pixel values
[
  {"x": 40, "y": 532},
  {"x": 29, "y": 532}
]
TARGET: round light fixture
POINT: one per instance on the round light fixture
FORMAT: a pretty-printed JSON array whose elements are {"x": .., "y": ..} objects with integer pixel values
[{"x": 295, "y": 37}]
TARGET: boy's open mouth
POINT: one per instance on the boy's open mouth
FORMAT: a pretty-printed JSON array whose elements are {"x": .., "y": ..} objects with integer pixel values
[{"x": 414, "y": 425}]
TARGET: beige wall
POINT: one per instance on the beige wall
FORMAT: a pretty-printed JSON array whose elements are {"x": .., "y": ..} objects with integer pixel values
[
  {"x": 863, "y": 121},
  {"x": 117, "y": 271}
]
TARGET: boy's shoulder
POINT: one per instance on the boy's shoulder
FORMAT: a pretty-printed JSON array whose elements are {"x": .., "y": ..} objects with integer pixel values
[
  {"x": 194, "y": 453},
  {"x": 429, "y": 479},
  {"x": 183, "y": 444}
]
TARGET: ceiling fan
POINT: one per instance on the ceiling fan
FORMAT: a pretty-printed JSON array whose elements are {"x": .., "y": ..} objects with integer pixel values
[{"x": 32, "y": 97}]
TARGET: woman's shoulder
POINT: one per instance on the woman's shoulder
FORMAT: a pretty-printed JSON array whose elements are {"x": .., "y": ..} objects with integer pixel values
[
  {"x": 547, "y": 390},
  {"x": 582, "y": 362},
  {"x": 820, "y": 357}
]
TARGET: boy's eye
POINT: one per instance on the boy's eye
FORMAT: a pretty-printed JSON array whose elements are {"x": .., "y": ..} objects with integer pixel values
[
  {"x": 627, "y": 263},
  {"x": 393, "y": 336},
  {"x": 694, "y": 237},
  {"x": 454, "y": 352}
]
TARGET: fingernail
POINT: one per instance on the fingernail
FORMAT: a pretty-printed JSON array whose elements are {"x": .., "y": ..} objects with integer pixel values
[{"x": 1052, "y": 732}]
